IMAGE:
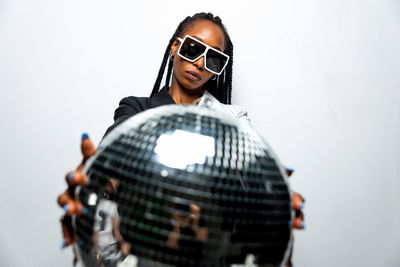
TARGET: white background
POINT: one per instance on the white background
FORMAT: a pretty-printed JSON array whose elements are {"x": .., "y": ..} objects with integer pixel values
[{"x": 320, "y": 80}]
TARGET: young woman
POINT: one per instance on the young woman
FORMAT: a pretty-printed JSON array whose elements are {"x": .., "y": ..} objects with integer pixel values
[{"x": 198, "y": 59}]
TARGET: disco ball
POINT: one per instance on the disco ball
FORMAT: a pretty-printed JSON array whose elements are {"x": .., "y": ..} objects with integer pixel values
[{"x": 183, "y": 186}]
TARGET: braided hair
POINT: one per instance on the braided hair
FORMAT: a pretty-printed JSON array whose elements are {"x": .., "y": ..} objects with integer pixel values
[{"x": 221, "y": 87}]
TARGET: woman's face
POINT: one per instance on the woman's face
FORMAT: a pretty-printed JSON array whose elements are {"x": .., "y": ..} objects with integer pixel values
[{"x": 193, "y": 75}]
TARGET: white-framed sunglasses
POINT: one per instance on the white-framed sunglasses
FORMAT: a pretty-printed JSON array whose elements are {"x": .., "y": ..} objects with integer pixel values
[{"x": 192, "y": 49}]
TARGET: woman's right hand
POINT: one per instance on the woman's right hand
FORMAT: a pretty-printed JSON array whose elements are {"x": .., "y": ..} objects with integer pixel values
[{"x": 67, "y": 200}]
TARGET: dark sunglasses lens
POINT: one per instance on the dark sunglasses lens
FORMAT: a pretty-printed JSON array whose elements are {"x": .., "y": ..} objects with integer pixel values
[
  {"x": 192, "y": 49},
  {"x": 215, "y": 61}
]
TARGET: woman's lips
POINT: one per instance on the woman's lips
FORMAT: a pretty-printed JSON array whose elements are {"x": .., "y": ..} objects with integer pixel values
[{"x": 193, "y": 76}]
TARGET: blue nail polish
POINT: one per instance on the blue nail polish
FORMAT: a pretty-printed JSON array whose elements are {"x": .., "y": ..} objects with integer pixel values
[
  {"x": 85, "y": 210},
  {"x": 303, "y": 225},
  {"x": 71, "y": 177},
  {"x": 85, "y": 136},
  {"x": 63, "y": 244},
  {"x": 80, "y": 242},
  {"x": 301, "y": 205},
  {"x": 66, "y": 207},
  {"x": 289, "y": 169}
]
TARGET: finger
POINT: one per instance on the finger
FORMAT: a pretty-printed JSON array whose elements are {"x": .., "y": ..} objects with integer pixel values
[
  {"x": 63, "y": 199},
  {"x": 74, "y": 207},
  {"x": 67, "y": 230},
  {"x": 297, "y": 223},
  {"x": 76, "y": 178},
  {"x": 289, "y": 171},
  {"x": 302, "y": 198},
  {"x": 87, "y": 147},
  {"x": 297, "y": 201}
]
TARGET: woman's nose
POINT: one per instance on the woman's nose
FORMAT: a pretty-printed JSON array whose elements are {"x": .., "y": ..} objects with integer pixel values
[{"x": 199, "y": 63}]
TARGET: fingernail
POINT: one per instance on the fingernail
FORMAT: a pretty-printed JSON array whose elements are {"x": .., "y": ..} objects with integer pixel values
[
  {"x": 66, "y": 207},
  {"x": 71, "y": 177},
  {"x": 85, "y": 210},
  {"x": 85, "y": 136},
  {"x": 301, "y": 205},
  {"x": 80, "y": 242},
  {"x": 63, "y": 244},
  {"x": 303, "y": 224},
  {"x": 289, "y": 169}
]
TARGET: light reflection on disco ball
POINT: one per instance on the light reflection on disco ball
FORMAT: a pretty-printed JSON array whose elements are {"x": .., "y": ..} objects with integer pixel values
[{"x": 183, "y": 186}]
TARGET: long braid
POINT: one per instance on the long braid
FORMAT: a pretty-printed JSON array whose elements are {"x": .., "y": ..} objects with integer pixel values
[
  {"x": 156, "y": 87},
  {"x": 169, "y": 71},
  {"x": 221, "y": 87},
  {"x": 228, "y": 85}
]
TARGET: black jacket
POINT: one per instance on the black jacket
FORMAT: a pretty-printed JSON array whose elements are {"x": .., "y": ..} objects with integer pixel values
[{"x": 132, "y": 105}]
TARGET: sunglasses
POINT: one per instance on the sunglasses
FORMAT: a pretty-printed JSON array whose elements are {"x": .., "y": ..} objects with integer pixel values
[{"x": 192, "y": 49}]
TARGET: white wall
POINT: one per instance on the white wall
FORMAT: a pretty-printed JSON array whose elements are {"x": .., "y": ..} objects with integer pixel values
[{"x": 320, "y": 80}]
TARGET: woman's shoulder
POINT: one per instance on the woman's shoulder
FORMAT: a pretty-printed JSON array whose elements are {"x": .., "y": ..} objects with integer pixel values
[
  {"x": 128, "y": 107},
  {"x": 136, "y": 103},
  {"x": 143, "y": 103}
]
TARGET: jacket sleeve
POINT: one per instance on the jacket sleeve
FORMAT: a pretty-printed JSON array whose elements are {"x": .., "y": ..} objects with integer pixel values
[{"x": 128, "y": 107}]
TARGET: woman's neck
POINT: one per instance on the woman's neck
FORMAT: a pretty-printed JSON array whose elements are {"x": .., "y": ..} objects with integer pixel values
[{"x": 182, "y": 95}]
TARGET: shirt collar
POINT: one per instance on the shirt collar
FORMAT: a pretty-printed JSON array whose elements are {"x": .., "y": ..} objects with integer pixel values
[
  {"x": 208, "y": 100},
  {"x": 164, "y": 98}
]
